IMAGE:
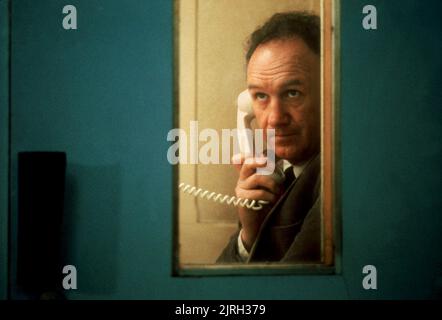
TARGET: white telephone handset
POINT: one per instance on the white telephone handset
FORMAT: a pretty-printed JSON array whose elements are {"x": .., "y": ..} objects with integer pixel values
[{"x": 245, "y": 116}]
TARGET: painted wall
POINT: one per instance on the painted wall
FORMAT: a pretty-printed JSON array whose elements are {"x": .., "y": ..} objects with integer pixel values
[
  {"x": 4, "y": 145},
  {"x": 103, "y": 94}
]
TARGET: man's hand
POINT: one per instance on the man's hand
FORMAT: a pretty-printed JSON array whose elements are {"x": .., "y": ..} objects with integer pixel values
[{"x": 255, "y": 187}]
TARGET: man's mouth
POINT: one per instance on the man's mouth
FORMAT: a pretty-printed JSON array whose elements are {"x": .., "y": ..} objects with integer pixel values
[
  {"x": 283, "y": 139},
  {"x": 285, "y": 135}
]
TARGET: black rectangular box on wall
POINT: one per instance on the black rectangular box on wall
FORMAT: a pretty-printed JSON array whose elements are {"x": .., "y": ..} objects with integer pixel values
[{"x": 41, "y": 185}]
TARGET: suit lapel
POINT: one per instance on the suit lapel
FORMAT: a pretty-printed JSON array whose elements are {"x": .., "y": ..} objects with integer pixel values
[{"x": 288, "y": 210}]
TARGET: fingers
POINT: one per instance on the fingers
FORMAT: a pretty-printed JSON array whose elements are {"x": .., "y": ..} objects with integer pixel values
[
  {"x": 251, "y": 185},
  {"x": 255, "y": 194},
  {"x": 238, "y": 160},
  {"x": 254, "y": 186},
  {"x": 256, "y": 181},
  {"x": 250, "y": 165}
]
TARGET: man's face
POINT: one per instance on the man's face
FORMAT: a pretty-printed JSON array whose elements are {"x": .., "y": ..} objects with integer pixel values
[{"x": 283, "y": 78}]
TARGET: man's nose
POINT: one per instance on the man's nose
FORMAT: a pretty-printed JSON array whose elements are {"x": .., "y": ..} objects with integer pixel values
[{"x": 277, "y": 114}]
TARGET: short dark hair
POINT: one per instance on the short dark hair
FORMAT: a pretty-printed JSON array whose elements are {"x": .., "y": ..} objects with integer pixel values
[{"x": 287, "y": 25}]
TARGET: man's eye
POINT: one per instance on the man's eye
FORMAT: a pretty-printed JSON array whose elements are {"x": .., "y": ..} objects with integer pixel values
[
  {"x": 261, "y": 96},
  {"x": 293, "y": 93}
]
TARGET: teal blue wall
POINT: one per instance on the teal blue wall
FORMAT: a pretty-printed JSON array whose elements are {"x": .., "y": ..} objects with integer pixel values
[
  {"x": 103, "y": 94},
  {"x": 4, "y": 145},
  {"x": 391, "y": 146}
]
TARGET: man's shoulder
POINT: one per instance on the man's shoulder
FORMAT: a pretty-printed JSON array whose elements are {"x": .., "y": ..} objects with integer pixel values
[{"x": 310, "y": 178}]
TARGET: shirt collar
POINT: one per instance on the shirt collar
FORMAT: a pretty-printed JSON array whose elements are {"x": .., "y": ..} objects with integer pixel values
[{"x": 297, "y": 169}]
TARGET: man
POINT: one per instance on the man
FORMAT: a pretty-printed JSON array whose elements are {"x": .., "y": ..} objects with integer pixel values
[{"x": 283, "y": 79}]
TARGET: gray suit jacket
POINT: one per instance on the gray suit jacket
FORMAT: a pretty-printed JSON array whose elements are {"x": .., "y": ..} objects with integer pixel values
[{"x": 291, "y": 231}]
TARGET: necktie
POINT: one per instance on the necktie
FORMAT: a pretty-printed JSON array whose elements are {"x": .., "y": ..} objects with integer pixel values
[{"x": 289, "y": 177}]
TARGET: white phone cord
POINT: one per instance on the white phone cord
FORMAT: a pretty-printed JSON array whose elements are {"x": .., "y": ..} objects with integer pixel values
[{"x": 218, "y": 197}]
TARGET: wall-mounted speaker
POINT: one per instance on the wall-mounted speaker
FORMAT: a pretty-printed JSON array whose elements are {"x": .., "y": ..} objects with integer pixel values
[{"x": 41, "y": 185}]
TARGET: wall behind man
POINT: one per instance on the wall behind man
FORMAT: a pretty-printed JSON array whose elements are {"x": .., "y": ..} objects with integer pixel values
[{"x": 103, "y": 94}]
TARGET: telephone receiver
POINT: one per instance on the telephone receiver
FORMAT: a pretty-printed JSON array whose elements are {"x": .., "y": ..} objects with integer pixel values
[
  {"x": 245, "y": 115},
  {"x": 244, "y": 118}
]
